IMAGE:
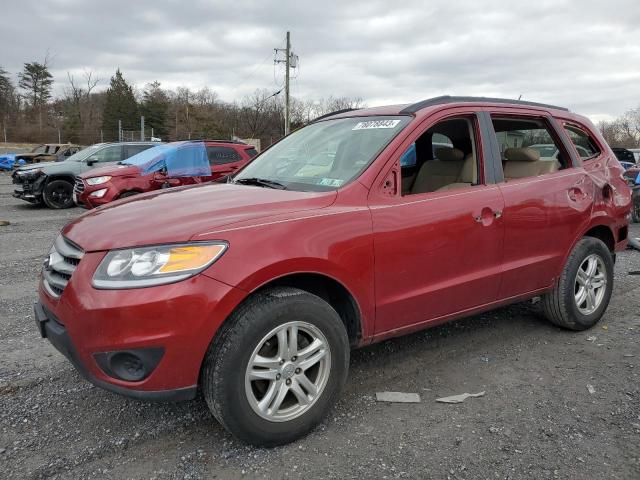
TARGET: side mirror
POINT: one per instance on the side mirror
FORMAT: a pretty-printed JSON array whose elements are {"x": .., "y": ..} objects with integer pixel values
[{"x": 91, "y": 161}]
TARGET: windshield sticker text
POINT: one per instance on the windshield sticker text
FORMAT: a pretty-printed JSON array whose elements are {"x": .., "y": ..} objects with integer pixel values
[
  {"x": 330, "y": 182},
  {"x": 376, "y": 124}
]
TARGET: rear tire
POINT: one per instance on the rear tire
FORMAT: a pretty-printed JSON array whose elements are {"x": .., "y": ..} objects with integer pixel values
[
  {"x": 581, "y": 296},
  {"x": 276, "y": 405},
  {"x": 58, "y": 194}
]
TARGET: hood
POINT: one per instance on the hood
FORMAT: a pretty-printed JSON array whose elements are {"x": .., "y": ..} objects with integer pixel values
[
  {"x": 177, "y": 215},
  {"x": 50, "y": 168},
  {"x": 112, "y": 171}
]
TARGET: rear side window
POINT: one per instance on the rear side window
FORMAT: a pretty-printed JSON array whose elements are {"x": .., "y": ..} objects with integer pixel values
[
  {"x": 108, "y": 154},
  {"x": 584, "y": 143},
  {"x": 131, "y": 150},
  {"x": 252, "y": 152},
  {"x": 528, "y": 147},
  {"x": 222, "y": 155}
]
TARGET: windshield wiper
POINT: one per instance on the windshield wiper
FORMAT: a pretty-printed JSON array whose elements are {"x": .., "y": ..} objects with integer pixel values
[{"x": 261, "y": 182}]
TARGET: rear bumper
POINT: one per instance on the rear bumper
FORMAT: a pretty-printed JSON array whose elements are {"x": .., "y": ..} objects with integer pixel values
[{"x": 56, "y": 333}]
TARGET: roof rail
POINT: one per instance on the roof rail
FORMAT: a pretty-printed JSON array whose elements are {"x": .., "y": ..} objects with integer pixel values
[
  {"x": 413, "y": 108},
  {"x": 213, "y": 140},
  {"x": 327, "y": 115}
]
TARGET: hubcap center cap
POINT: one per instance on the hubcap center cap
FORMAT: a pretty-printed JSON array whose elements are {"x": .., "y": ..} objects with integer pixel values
[{"x": 288, "y": 370}]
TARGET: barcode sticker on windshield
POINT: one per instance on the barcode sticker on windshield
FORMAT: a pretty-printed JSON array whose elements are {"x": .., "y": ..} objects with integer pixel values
[{"x": 376, "y": 124}]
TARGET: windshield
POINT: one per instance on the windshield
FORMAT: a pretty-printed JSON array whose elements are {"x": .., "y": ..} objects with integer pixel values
[
  {"x": 39, "y": 149},
  {"x": 179, "y": 159},
  {"x": 82, "y": 154},
  {"x": 325, "y": 155}
]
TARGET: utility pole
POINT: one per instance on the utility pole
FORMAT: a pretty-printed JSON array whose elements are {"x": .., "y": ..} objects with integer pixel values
[
  {"x": 142, "y": 128},
  {"x": 287, "y": 119},
  {"x": 290, "y": 58},
  {"x": 59, "y": 138},
  {"x": 101, "y": 136},
  {"x": 119, "y": 130},
  {"x": 4, "y": 128}
]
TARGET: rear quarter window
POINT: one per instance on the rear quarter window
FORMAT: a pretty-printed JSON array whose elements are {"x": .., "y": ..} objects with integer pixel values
[{"x": 585, "y": 145}]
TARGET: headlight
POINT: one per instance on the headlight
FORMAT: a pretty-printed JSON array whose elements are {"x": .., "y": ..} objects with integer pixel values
[
  {"x": 149, "y": 266},
  {"x": 32, "y": 171},
  {"x": 98, "y": 193},
  {"x": 98, "y": 180}
]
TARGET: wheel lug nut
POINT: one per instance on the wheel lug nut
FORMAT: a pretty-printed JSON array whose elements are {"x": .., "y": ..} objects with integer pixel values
[
  {"x": 294, "y": 358},
  {"x": 281, "y": 362},
  {"x": 288, "y": 381},
  {"x": 278, "y": 376},
  {"x": 298, "y": 370}
]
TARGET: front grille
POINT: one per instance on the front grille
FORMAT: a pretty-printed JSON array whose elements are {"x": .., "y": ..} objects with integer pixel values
[
  {"x": 63, "y": 259},
  {"x": 78, "y": 188}
]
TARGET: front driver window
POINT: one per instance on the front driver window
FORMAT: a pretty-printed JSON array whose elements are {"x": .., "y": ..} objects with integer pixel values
[{"x": 442, "y": 158}]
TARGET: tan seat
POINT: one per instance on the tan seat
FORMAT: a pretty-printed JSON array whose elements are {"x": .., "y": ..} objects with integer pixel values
[
  {"x": 468, "y": 174},
  {"x": 445, "y": 169},
  {"x": 525, "y": 162}
]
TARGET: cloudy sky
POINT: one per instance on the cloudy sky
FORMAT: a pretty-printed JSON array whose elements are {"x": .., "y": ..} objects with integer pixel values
[{"x": 581, "y": 54}]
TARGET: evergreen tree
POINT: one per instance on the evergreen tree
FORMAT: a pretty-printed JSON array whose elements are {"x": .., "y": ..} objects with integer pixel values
[
  {"x": 120, "y": 104},
  {"x": 7, "y": 94},
  {"x": 36, "y": 80},
  {"x": 154, "y": 107}
]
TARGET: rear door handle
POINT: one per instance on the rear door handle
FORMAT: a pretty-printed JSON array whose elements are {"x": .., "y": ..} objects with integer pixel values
[{"x": 487, "y": 215}]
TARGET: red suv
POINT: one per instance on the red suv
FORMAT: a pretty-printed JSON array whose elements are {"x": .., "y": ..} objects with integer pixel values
[
  {"x": 148, "y": 171},
  {"x": 361, "y": 226}
]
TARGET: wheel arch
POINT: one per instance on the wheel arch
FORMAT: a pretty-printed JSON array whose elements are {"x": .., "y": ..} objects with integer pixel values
[
  {"x": 67, "y": 177},
  {"x": 331, "y": 291},
  {"x": 604, "y": 233},
  {"x": 599, "y": 229}
]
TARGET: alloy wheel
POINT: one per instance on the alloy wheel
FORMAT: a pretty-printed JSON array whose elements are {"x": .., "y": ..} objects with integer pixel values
[
  {"x": 590, "y": 284},
  {"x": 288, "y": 371}
]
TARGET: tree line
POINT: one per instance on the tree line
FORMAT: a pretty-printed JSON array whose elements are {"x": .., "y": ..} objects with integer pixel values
[
  {"x": 84, "y": 115},
  {"x": 624, "y": 131}
]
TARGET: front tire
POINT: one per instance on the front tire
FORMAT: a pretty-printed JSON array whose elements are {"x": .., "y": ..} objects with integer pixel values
[
  {"x": 58, "y": 194},
  {"x": 581, "y": 295},
  {"x": 276, "y": 367}
]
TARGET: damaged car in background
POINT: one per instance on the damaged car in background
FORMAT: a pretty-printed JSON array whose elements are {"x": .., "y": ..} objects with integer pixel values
[
  {"x": 52, "y": 183},
  {"x": 169, "y": 165}
]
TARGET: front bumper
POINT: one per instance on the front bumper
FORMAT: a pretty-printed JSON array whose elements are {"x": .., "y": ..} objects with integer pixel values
[
  {"x": 51, "y": 329},
  {"x": 84, "y": 199},
  {"x": 29, "y": 189},
  {"x": 87, "y": 325}
]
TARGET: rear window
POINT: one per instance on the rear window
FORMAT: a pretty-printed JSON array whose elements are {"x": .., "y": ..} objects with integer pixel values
[
  {"x": 585, "y": 145},
  {"x": 222, "y": 155}
]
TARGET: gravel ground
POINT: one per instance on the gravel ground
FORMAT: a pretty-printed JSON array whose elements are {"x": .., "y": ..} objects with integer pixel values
[{"x": 537, "y": 420}]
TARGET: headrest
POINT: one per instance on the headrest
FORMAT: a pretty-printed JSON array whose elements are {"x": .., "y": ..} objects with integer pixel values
[
  {"x": 468, "y": 173},
  {"x": 449, "y": 154},
  {"x": 524, "y": 154}
]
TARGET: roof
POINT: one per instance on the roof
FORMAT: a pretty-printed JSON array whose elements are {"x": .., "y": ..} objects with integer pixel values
[{"x": 413, "y": 108}]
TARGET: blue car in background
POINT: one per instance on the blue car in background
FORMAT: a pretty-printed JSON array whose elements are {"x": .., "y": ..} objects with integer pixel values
[{"x": 8, "y": 161}]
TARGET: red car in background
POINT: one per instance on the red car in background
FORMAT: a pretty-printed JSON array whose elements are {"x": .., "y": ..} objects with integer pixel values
[{"x": 148, "y": 171}]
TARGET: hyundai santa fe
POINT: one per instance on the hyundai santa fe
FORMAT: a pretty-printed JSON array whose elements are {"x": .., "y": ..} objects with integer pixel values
[{"x": 364, "y": 225}]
